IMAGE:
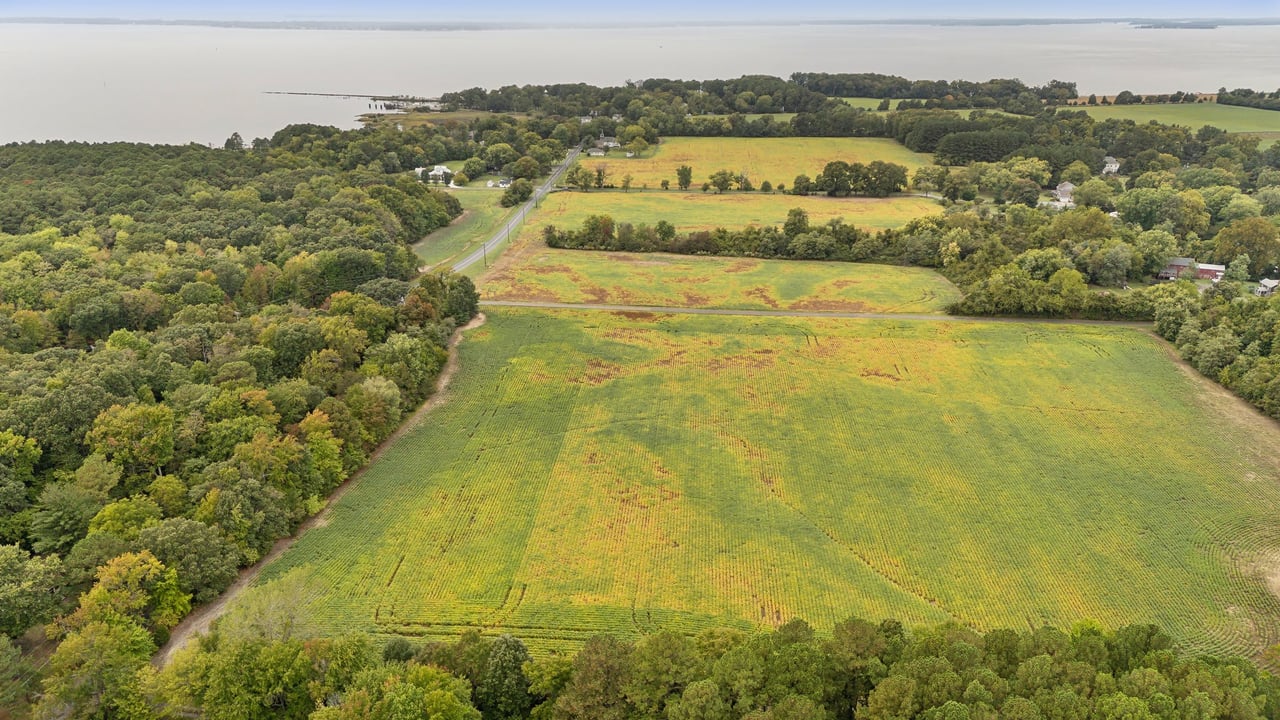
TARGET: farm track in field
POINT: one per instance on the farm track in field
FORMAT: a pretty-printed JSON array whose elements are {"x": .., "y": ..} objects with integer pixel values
[
  {"x": 675, "y": 310},
  {"x": 202, "y": 617}
]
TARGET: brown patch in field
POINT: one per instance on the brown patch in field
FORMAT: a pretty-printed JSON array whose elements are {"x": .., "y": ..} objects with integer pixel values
[
  {"x": 739, "y": 266},
  {"x": 843, "y": 283},
  {"x": 549, "y": 269},
  {"x": 630, "y": 335},
  {"x": 671, "y": 359},
  {"x": 752, "y": 361},
  {"x": 638, "y": 315},
  {"x": 533, "y": 294},
  {"x": 693, "y": 299},
  {"x": 762, "y": 294},
  {"x": 599, "y": 372},
  {"x": 872, "y": 372},
  {"x": 595, "y": 294},
  {"x": 634, "y": 260},
  {"x": 812, "y": 305}
]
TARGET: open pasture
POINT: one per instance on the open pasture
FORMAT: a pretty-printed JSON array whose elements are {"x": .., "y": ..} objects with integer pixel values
[
  {"x": 628, "y": 472},
  {"x": 689, "y": 211},
  {"x": 1193, "y": 115},
  {"x": 778, "y": 160},
  {"x": 579, "y": 276},
  {"x": 481, "y": 216}
]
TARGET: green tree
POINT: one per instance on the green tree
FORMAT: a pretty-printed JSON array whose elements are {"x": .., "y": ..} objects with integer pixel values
[
  {"x": 135, "y": 586},
  {"x": 30, "y": 589},
  {"x": 1238, "y": 269},
  {"x": 94, "y": 673},
  {"x": 684, "y": 177},
  {"x": 596, "y": 690},
  {"x": 662, "y": 665},
  {"x": 929, "y": 178},
  {"x": 519, "y": 191},
  {"x": 205, "y": 562},
  {"x": 1076, "y": 173},
  {"x": 126, "y": 518},
  {"x": 1256, "y": 237},
  {"x": 503, "y": 691},
  {"x": 138, "y": 437},
  {"x": 62, "y": 517},
  {"x": 701, "y": 700},
  {"x": 721, "y": 180},
  {"x": 16, "y": 677}
]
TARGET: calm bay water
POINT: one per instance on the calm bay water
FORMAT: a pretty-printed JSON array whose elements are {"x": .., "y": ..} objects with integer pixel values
[{"x": 199, "y": 84}]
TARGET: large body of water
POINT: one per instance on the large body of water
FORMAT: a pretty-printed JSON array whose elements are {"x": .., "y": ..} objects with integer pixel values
[{"x": 199, "y": 84}]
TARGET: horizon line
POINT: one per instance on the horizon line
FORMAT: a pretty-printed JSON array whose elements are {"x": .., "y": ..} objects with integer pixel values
[{"x": 420, "y": 25}]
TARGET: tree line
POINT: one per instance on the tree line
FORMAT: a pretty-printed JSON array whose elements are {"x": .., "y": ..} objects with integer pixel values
[
  {"x": 264, "y": 663},
  {"x": 1250, "y": 98}
]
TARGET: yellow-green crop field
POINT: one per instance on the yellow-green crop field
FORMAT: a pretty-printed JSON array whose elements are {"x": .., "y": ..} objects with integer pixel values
[
  {"x": 778, "y": 160},
  {"x": 577, "y": 276},
  {"x": 599, "y": 472},
  {"x": 710, "y": 210},
  {"x": 1193, "y": 115}
]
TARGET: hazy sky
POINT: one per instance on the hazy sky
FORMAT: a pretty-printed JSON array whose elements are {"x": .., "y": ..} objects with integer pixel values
[{"x": 611, "y": 10}]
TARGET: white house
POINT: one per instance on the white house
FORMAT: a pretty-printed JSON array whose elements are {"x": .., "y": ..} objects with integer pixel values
[
  {"x": 435, "y": 174},
  {"x": 1110, "y": 165},
  {"x": 1266, "y": 287},
  {"x": 1064, "y": 191}
]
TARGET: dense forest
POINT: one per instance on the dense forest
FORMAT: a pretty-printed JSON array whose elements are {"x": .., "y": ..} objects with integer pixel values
[{"x": 196, "y": 347}]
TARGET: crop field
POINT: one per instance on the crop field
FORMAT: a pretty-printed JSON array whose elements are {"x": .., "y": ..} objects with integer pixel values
[
  {"x": 778, "y": 160},
  {"x": 627, "y": 472},
  {"x": 707, "y": 211},
  {"x": 1193, "y": 115},
  {"x": 577, "y": 276},
  {"x": 481, "y": 216}
]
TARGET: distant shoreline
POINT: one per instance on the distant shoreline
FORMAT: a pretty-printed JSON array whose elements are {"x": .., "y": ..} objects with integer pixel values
[{"x": 411, "y": 26}]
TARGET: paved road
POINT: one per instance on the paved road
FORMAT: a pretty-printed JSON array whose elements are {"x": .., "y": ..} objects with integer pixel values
[
  {"x": 804, "y": 313},
  {"x": 490, "y": 246}
]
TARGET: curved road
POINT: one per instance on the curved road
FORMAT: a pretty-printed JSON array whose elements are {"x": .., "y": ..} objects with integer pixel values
[
  {"x": 504, "y": 232},
  {"x": 675, "y": 310}
]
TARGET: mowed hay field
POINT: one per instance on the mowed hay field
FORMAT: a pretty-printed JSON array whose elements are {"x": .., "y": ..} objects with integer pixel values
[
  {"x": 607, "y": 472},
  {"x": 578, "y": 276},
  {"x": 778, "y": 160},
  {"x": 482, "y": 214},
  {"x": 1193, "y": 115},
  {"x": 710, "y": 210}
]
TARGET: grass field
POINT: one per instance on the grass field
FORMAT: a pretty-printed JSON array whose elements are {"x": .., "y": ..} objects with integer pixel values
[
  {"x": 867, "y": 103},
  {"x": 778, "y": 160},
  {"x": 576, "y": 276},
  {"x": 481, "y": 216},
  {"x": 707, "y": 211},
  {"x": 600, "y": 472},
  {"x": 1193, "y": 115}
]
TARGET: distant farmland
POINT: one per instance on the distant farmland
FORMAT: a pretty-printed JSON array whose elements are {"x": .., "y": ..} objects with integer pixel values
[
  {"x": 778, "y": 160},
  {"x": 577, "y": 276},
  {"x": 600, "y": 472},
  {"x": 1193, "y": 115}
]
